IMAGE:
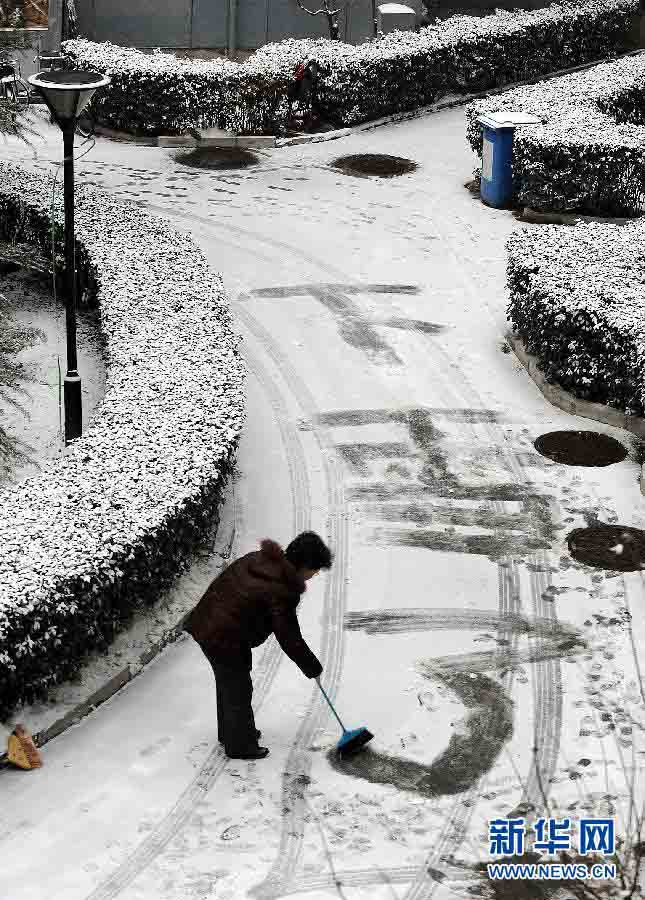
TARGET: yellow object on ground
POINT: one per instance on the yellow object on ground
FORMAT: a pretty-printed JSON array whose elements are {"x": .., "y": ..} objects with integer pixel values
[{"x": 22, "y": 751}]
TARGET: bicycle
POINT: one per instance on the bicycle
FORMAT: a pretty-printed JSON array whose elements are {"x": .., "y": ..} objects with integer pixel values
[{"x": 13, "y": 87}]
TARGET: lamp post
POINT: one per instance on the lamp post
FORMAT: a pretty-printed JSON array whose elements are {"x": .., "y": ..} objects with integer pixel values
[{"x": 67, "y": 93}]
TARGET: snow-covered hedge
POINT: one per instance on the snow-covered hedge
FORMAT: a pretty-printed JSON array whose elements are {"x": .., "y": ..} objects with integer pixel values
[
  {"x": 576, "y": 300},
  {"x": 104, "y": 527},
  {"x": 589, "y": 153},
  {"x": 158, "y": 93}
]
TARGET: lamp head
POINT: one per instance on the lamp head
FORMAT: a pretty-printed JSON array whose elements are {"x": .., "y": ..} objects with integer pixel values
[{"x": 67, "y": 92}]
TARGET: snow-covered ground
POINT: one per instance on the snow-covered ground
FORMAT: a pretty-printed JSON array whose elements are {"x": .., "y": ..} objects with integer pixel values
[{"x": 382, "y": 412}]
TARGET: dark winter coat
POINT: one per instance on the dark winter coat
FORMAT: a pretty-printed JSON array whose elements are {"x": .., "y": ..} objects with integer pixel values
[
  {"x": 255, "y": 596},
  {"x": 306, "y": 77}
]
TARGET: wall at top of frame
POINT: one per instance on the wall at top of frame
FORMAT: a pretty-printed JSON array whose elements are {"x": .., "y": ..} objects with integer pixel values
[{"x": 204, "y": 23}]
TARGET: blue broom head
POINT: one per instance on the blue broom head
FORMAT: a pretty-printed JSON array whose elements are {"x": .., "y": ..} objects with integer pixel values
[{"x": 353, "y": 740}]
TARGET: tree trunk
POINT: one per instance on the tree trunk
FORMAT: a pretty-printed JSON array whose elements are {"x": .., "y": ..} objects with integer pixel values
[
  {"x": 70, "y": 29},
  {"x": 334, "y": 31}
]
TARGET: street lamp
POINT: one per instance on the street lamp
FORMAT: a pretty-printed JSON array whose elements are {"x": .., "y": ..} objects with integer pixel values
[{"x": 67, "y": 93}]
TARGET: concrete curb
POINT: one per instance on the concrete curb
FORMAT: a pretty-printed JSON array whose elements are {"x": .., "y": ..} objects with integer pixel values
[
  {"x": 180, "y": 140},
  {"x": 104, "y": 693},
  {"x": 125, "y": 136},
  {"x": 234, "y": 140},
  {"x": 567, "y": 402},
  {"x": 188, "y": 140},
  {"x": 114, "y": 684},
  {"x": 536, "y": 217},
  {"x": 244, "y": 141}
]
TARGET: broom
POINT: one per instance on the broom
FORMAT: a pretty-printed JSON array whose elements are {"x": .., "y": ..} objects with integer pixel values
[
  {"x": 351, "y": 741},
  {"x": 21, "y": 750}
]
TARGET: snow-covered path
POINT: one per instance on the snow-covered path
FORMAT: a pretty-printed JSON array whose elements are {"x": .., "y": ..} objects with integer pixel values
[{"x": 383, "y": 413}]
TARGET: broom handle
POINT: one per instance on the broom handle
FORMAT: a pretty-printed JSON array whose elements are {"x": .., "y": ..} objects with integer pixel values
[{"x": 331, "y": 705}]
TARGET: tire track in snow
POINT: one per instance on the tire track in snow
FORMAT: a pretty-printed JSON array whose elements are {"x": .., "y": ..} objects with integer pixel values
[
  {"x": 299, "y": 759},
  {"x": 509, "y": 598},
  {"x": 282, "y": 873},
  {"x": 548, "y": 702},
  {"x": 547, "y": 694},
  {"x": 547, "y": 681},
  {"x": 461, "y": 812},
  {"x": 285, "y": 250},
  {"x": 284, "y": 868},
  {"x": 548, "y": 677},
  {"x": 267, "y": 669},
  {"x": 362, "y": 878}
]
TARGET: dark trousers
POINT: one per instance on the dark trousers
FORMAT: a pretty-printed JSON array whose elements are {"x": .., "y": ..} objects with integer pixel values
[{"x": 235, "y": 720}]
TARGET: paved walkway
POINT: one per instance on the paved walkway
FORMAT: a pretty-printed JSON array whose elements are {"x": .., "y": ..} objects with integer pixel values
[{"x": 384, "y": 413}]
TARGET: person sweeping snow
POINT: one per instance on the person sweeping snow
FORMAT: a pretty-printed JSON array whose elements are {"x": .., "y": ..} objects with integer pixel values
[{"x": 254, "y": 597}]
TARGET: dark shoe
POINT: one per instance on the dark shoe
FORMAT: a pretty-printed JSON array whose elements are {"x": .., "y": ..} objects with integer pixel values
[
  {"x": 253, "y": 753},
  {"x": 258, "y": 735}
]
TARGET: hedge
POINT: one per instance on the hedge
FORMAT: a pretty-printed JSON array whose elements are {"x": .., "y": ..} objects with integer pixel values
[
  {"x": 159, "y": 94},
  {"x": 103, "y": 528},
  {"x": 589, "y": 153},
  {"x": 576, "y": 301}
]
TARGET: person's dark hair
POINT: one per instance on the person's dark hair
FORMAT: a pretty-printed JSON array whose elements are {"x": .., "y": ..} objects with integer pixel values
[{"x": 309, "y": 551}]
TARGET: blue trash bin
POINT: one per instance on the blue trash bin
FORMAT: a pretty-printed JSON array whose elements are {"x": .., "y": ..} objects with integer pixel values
[{"x": 497, "y": 155}]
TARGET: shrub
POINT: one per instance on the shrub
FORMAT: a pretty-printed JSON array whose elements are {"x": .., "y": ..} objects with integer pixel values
[
  {"x": 576, "y": 302},
  {"x": 588, "y": 154},
  {"x": 105, "y": 526},
  {"x": 157, "y": 93}
]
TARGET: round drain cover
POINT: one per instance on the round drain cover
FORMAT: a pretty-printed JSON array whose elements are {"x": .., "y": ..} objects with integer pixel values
[
  {"x": 374, "y": 164},
  {"x": 616, "y": 547},
  {"x": 217, "y": 158},
  {"x": 580, "y": 448}
]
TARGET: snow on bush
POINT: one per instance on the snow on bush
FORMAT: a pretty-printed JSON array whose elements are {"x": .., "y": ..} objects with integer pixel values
[
  {"x": 589, "y": 153},
  {"x": 104, "y": 527},
  {"x": 576, "y": 300},
  {"x": 158, "y": 93}
]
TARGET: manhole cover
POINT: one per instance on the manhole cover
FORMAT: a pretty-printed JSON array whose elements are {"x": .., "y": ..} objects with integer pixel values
[
  {"x": 374, "y": 164},
  {"x": 217, "y": 158},
  {"x": 580, "y": 448},
  {"x": 609, "y": 547}
]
